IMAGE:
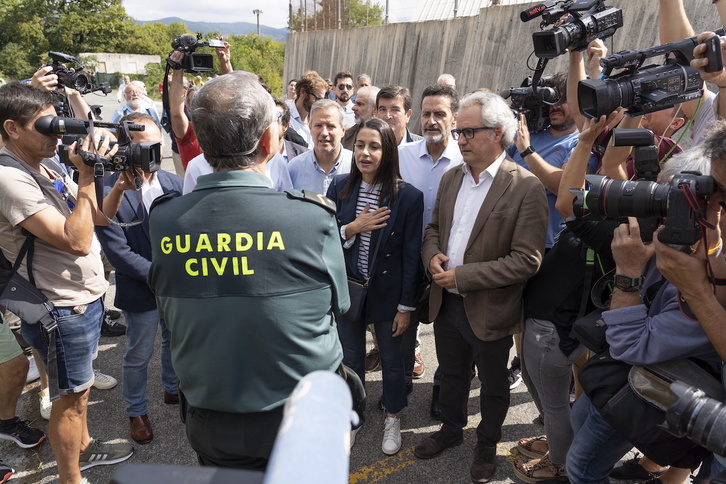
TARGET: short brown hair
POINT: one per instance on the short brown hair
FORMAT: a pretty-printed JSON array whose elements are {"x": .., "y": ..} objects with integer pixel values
[
  {"x": 21, "y": 102},
  {"x": 391, "y": 92}
]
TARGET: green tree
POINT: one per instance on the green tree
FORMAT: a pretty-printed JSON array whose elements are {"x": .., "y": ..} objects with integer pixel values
[{"x": 323, "y": 14}]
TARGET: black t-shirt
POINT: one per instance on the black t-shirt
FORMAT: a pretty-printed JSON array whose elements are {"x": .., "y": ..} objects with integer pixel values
[{"x": 555, "y": 292}]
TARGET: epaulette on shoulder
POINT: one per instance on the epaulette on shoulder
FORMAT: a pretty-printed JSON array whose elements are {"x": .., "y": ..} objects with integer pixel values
[
  {"x": 161, "y": 199},
  {"x": 312, "y": 197}
]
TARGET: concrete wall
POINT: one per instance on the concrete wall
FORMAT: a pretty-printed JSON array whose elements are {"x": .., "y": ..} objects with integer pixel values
[
  {"x": 489, "y": 50},
  {"x": 123, "y": 63}
]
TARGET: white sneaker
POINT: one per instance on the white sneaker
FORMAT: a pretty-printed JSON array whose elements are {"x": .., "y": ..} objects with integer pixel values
[
  {"x": 391, "y": 435},
  {"x": 33, "y": 373},
  {"x": 45, "y": 405},
  {"x": 353, "y": 433},
  {"x": 102, "y": 381}
]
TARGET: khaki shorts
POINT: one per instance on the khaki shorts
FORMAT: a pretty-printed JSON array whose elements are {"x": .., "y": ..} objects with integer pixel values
[{"x": 9, "y": 347}]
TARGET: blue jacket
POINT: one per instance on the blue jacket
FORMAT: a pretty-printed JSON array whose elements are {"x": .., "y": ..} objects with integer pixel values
[
  {"x": 128, "y": 249},
  {"x": 398, "y": 272}
]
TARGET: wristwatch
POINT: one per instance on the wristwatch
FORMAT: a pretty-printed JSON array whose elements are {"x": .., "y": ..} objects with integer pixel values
[
  {"x": 627, "y": 283},
  {"x": 528, "y": 151}
]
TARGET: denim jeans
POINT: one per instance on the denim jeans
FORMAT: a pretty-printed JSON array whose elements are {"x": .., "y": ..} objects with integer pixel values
[
  {"x": 76, "y": 343},
  {"x": 141, "y": 336},
  {"x": 547, "y": 373},
  {"x": 596, "y": 448},
  {"x": 353, "y": 339}
]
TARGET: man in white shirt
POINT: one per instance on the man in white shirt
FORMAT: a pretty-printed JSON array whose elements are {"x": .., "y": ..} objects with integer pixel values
[
  {"x": 309, "y": 89},
  {"x": 485, "y": 239},
  {"x": 344, "y": 89},
  {"x": 422, "y": 164}
]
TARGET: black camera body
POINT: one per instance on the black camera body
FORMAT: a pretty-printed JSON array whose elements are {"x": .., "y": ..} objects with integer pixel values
[
  {"x": 646, "y": 89},
  {"x": 146, "y": 156},
  {"x": 586, "y": 21},
  {"x": 194, "y": 61},
  {"x": 609, "y": 199},
  {"x": 534, "y": 102}
]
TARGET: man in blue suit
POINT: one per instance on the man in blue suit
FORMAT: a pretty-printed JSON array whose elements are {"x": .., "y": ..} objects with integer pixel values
[{"x": 129, "y": 251}]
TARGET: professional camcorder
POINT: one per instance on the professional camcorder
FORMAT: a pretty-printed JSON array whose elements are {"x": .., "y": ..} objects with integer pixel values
[
  {"x": 193, "y": 61},
  {"x": 146, "y": 156},
  {"x": 580, "y": 22},
  {"x": 680, "y": 202},
  {"x": 75, "y": 80},
  {"x": 646, "y": 89},
  {"x": 534, "y": 102}
]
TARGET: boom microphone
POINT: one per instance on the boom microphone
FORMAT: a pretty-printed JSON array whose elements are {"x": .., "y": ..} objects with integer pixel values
[{"x": 535, "y": 11}]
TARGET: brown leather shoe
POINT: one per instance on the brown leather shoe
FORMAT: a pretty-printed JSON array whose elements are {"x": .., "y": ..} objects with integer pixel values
[
  {"x": 170, "y": 398},
  {"x": 436, "y": 443},
  {"x": 141, "y": 429},
  {"x": 485, "y": 463}
]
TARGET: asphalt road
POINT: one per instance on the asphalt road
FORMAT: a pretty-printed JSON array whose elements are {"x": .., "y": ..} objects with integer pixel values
[{"x": 107, "y": 421}]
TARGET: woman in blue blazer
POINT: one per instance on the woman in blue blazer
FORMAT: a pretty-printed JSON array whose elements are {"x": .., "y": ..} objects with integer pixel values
[{"x": 380, "y": 219}]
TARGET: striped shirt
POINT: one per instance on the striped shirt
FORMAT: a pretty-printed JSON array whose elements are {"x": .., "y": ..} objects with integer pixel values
[{"x": 368, "y": 194}]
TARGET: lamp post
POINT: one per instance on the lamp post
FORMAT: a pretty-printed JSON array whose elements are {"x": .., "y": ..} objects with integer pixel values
[{"x": 257, "y": 12}]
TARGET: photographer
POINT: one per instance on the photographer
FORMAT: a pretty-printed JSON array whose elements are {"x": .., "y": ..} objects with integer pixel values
[
  {"x": 645, "y": 326},
  {"x": 66, "y": 264},
  {"x": 180, "y": 99},
  {"x": 690, "y": 273},
  {"x": 553, "y": 300}
]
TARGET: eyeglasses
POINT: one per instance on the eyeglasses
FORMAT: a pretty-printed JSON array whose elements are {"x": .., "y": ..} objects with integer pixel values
[
  {"x": 345, "y": 87},
  {"x": 468, "y": 133},
  {"x": 317, "y": 98}
]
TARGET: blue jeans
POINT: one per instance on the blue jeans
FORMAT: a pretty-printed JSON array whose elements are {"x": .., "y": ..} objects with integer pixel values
[
  {"x": 596, "y": 448},
  {"x": 76, "y": 343},
  {"x": 353, "y": 339},
  {"x": 547, "y": 373},
  {"x": 141, "y": 336}
]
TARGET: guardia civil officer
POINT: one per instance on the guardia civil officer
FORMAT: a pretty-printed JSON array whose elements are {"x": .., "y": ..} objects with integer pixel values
[{"x": 248, "y": 280}]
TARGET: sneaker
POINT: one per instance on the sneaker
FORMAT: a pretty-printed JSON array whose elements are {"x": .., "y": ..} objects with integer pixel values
[
  {"x": 373, "y": 360},
  {"x": 353, "y": 433},
  {"x": 22, "y": 434},
  {"x": 419, "y": 369},
  {"x": 515, "y": 377},
  {"x": 45, "y": 405},
  {"x": 112, "y": 328},
  {"x": 99, "y": 454},
  {"x": 113, "y": 314},
  {"x": 391, "y": 435},
  {"x": 103, "y": 381},
  {"x": 33, "y": 373},
  {"x": 5, "y": 472},
  {"x": 631, "y": 470}
]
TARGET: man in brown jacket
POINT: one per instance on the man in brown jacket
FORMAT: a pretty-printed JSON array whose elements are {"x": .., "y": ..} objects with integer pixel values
[{"x": 485, "y": 239}]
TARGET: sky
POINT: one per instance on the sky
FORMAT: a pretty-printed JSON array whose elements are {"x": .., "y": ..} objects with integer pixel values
[{"x": 274, "y": 12}]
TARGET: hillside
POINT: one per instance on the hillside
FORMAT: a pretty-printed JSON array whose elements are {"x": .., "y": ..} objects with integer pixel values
[{"x": 224, "y": 28}]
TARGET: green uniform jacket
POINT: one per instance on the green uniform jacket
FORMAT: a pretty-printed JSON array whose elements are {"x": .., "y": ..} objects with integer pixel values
[{"x": 248, "y": 280}]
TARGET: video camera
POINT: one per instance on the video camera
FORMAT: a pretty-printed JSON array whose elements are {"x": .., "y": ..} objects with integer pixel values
[
  {"x": 193, "y": 61},
  {"x": 680, "y": 202},
  {"x": 582, "y": 22},
  {"x": 146, "y": 156},
  {"x": 647, "y": 89},
  {"x": 534, "y": 102},
  {"x": 75, "y": 80}
]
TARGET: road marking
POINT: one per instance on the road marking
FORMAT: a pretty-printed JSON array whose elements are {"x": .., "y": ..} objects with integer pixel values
[{"x": 406, "y": 458}]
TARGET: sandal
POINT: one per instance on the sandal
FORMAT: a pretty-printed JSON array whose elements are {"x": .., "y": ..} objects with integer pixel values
[
  {"x": 544, "y": 468},
  {"x": 525, "y": 447}
]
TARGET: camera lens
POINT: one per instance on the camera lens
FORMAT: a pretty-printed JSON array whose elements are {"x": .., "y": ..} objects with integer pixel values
[{"x": 614, "y": 199}]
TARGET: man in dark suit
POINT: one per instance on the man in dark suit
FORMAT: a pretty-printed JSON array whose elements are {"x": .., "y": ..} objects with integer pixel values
[
  {"x": 129, "y": 251},
  {"x": 485, "y": 239}
]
